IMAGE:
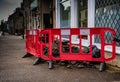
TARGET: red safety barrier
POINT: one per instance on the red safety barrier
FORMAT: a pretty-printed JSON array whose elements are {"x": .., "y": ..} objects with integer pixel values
[
  {"x": 63, "y": 34},
  {"x": 32, "y": 37},
  {"x": 67, "y": 44}
]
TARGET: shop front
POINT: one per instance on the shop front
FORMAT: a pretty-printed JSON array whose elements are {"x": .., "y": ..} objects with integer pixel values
[{"x": 90, "y": 14}]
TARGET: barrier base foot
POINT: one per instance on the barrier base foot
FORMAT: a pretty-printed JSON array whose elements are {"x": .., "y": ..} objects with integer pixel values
[
  {"x": 27, "y": 55},
  {"x": 102, "y": 66},
  {"x": 38, "y": 61},
  {"x": 50, "y": 64}
]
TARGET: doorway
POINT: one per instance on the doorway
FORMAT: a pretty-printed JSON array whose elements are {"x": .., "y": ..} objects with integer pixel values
[{"x": 48, "y": 14}]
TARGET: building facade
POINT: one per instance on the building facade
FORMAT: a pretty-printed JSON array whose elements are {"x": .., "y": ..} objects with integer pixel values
[
  {"x": 15, "y": 21},
  {"x": 77, "y": 14},
  {"x": 42, "y": 14},
  {"x": 90, "y": 14},
  {"x": 45, "y": 14}
]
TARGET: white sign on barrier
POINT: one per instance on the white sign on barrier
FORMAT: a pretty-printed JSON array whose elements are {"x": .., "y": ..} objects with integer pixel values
[
  {"x": 30, "y": 32},
  {"x": 85, "y": 32},
  {"x": 65, "y": 32},
  {"x": 34, "y": 32}
]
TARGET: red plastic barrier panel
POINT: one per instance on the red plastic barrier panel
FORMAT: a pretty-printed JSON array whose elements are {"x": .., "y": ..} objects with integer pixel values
[
  {"x": 32, "y": 41},
  {"x": 68, "y": 44}
]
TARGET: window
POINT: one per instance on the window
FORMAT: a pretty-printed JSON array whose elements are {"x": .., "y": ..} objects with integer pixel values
[
  {"x": 107, "y": 14},
  {"x": 65, "y": 13},
  {"x": 82, "y": 13}
]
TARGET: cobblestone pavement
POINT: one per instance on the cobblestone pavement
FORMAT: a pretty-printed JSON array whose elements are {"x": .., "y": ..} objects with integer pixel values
[{"x": 14, "y": 68}]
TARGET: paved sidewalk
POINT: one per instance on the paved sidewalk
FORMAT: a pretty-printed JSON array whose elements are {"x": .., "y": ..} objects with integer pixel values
[{"x": 13, "y": 68}]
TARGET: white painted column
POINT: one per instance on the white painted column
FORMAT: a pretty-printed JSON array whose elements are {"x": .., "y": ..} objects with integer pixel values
[
  {"x": 57, "y": 14},
  {"x": 91, "y": 13},
  {"x": 74, "y": 23}
]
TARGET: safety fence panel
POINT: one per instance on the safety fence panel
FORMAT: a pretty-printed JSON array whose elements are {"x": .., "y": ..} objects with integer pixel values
[
  {"x": 66, "y": 44},
  {"x": 32, "y": 41}
]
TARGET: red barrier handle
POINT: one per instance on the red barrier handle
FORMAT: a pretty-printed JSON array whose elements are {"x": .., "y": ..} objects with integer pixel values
[{"x": 113, "y": 45}]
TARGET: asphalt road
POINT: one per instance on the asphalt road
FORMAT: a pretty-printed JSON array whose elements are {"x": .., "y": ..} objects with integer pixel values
[{"x": 14, "y": 68}]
